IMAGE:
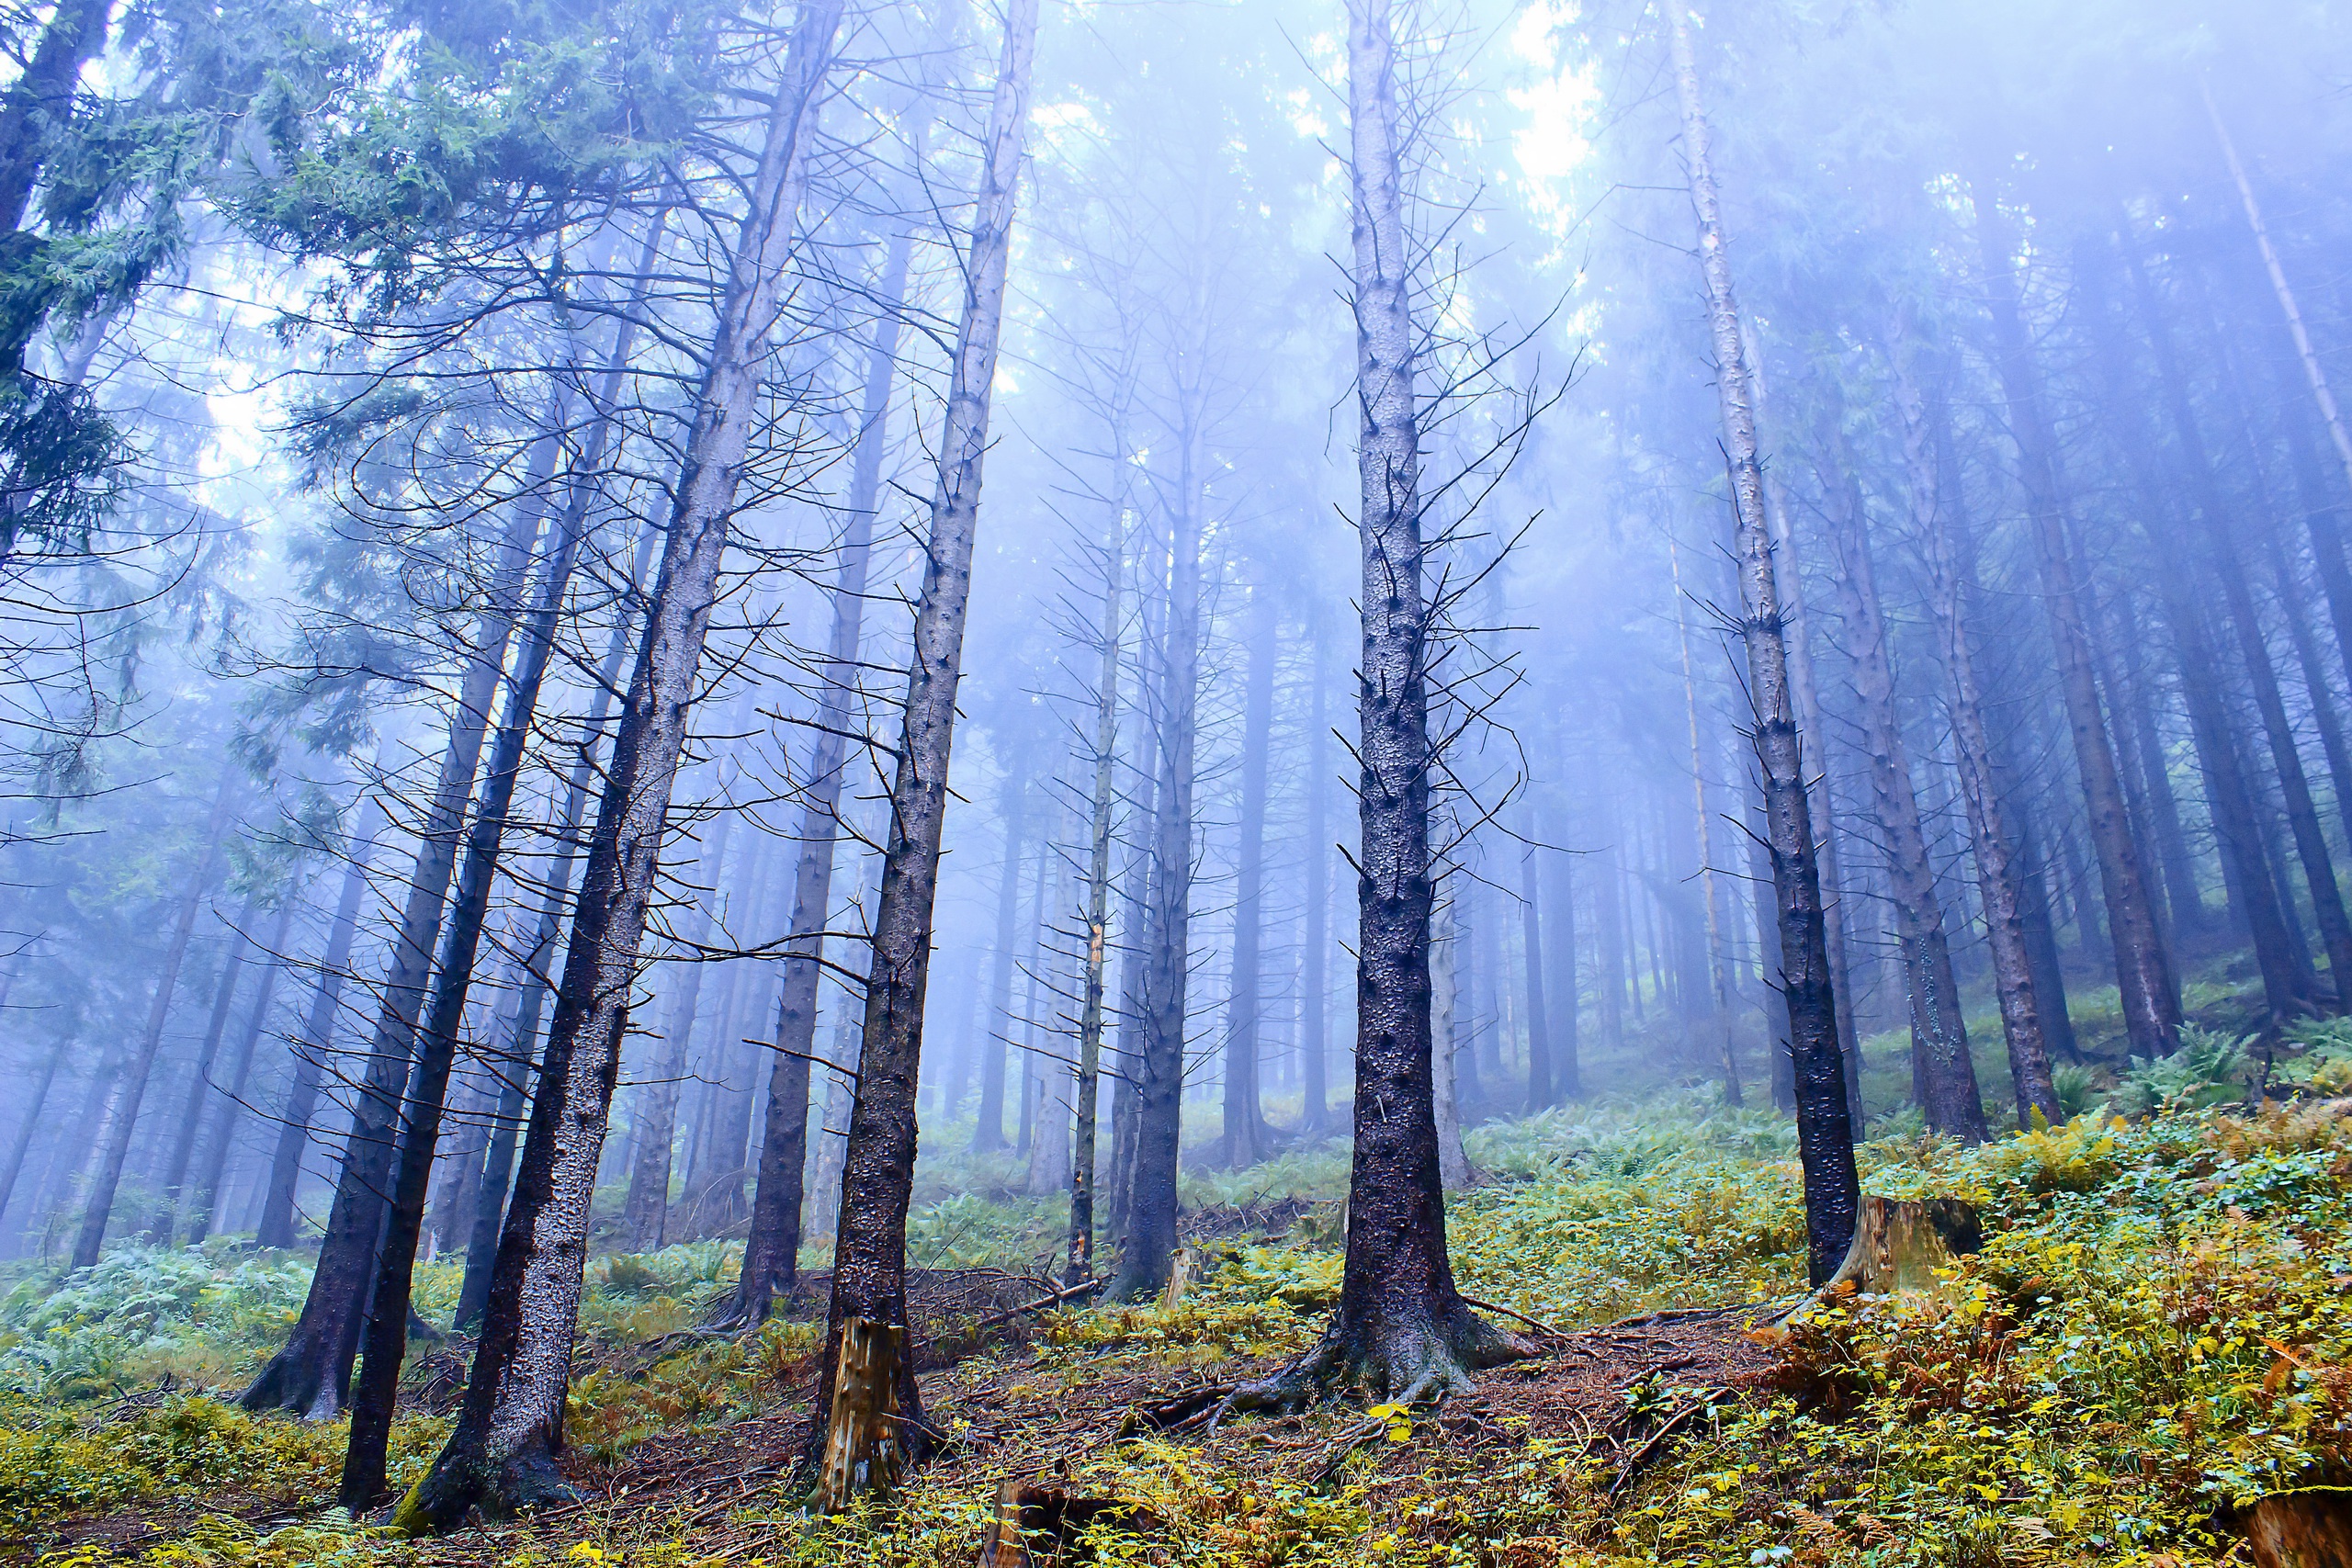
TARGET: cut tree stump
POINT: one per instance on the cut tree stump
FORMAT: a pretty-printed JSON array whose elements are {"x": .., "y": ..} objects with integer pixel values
[
  {"x": 1043, "y": 1526},
  {"x": 1899, "y": 1243},
  {"x": 862, "y": 1448},
  {"x": 2302, "y": 1529}
]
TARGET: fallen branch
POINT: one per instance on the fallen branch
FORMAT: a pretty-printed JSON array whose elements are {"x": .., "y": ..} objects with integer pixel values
[
  {"x": 1642, "y": 1455},
  {"x": 1536, "y": 1324},
  {"x": 1083, "y": 1288}
]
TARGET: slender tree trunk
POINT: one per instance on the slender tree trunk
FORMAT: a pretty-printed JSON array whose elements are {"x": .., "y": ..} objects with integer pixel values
[
  {"x": 130, "y": 1082},
  {"x": 1560, "y": 961},
  {"x": 1953, "y": 1103},
  {"x": 501, "y": 1454},
  {"x": 316, "y": 1042},
  {"x": 771, "y": 1250},
  {"x": 878, "y": 1172},
  {"x": 1314, "y": 1026},
  {"x": 1542, "y": 1091},
  {"x": 646, "y": 1209},
  {"x": 1448, "y": 1042},
  {"x": 32, "y": 1122},
  {"x": 1719, "y": 1022},
  {"x": 1825, "y": 1128},
  {"x": 1937, "y": 518},
  {"x": 221, "y": 1118},
  {"x": 1097, "y": 902},
  {"x": 310, "y": 1374},
  {"x": 1401, "y": 1327},
  {"x": 165, "y": 1220},
  {"x": 2151, "y": 1000},
  {"x": 1248, "y": 1139}
]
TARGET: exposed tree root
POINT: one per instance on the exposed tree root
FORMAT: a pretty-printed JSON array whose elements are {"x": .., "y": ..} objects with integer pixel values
[
  {"x": 1422, "y": 1361},
  {"x": 461, "y": 1485}
]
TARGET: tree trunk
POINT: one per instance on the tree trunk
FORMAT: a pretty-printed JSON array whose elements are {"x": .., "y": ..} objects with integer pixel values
[
  {"x": 1825, "y": 1128},
  {"x": 1951, "y": 1103},
  {"x": 130, "y": 1082},
  {"x": 878, "y": 1172},
  {"x": 1247, "y": 1139},
  {"x": 501, "y": 1452},
  {"x": 316, "y": 1042},
  {"x": 1097, "y": 902},
  {"x": 772, "y": 1249},
  {"x": 1401, "y": 1328},
  {"x": 221, "y": 1120},
  {"x": 1315, "y": 1030},
  {"x": 987, "y": 1135},
  {"x": 165, "y": 1219},
  {"x": 1447, "y": 1042},
  {"x": 1719, "y": 1022},
  {"x": 516, "y": 1068},
  {"x": 32, "y": 1122},
  {"x": 2151, "y": 1000},
  {"x": 1542, "y": 1090},
  {"x": 310, "y": 1374},
  {"x": 645, "y": 1212},
  {"x": 1560, "y": 961},
  {"x": 1937, "y": 512}
]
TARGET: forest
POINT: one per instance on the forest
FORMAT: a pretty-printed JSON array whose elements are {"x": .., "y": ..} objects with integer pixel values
[{"x": 1534, "y": 784}]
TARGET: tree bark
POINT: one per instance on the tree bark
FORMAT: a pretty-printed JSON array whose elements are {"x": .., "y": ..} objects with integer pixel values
[
  {"x": 1719, "y": 1021},
  {"x": 1448, "y": 1040},
  {"x": 645, "y": 1211},
  {"x": 1314, "y": 1024},
  {"x": 1542, "y": 1090},
  {"x": 1401, "y": 1328},
  {"x": 312, "y": 1046},
  {"x": 1953, "y": 1104},
  {"x": 1247, "y": 1138},
  {"x": 877, "y": 1171},
  {"x": 501, "y": 1452},
  {"x": 22, "y": 1144},
  {"x": 131, "y": 1083},
  {"x": 1560, "y": 961},
  {"x": 1081, "y": 1267},
  {"x": 988, "y": 1134},
  {"x": 771, "y": 1250},
  {"x": 2144, "y": 973},
  {"x": 1825, "y": 1127},
  {"x": 221, "y": 1119}
]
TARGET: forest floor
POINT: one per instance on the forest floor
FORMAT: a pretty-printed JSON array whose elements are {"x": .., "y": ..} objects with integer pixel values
[{"x": 2157, "y": 1332}]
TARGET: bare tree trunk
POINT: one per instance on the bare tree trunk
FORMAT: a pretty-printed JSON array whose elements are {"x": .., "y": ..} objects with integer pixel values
[
  {"x": 317, "y": 1039},
  {"x": 771, "y": 1250},
  {"x": 1448, "y": 1040},
  {"x": 988, "y": 1134},
  {"x": 501, "y": 1452},
  {"x": 2144, "y": 971},
  {"x": 130, "y": 1082},
  {"x": 32, "y": 1122},
  {"x": 310, "y": 1374},
  {"x": 1560, "y": 961},
  {"x": 878, "y": 1172},
  {"x": 221, "y": 1119},
  {"x": 1314, "y": 1026},
  {"x": 1953, "y": 1103},
  {"x": 645, "y": 1212},
  {"x": 1825, "y": 1128},
  {"x": 1401, "y": 1327},
  {"x": 1247, "y": 1139},
  {"x": 1935, "y": 509},
  {"x": 1097, "y": 902},
  {"x": 165, "y": 1219},
  {"x": 1720, "y": 1020}
]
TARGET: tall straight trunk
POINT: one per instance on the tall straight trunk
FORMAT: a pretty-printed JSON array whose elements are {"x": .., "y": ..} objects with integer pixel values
[
  {"x": 228, "y": 1102},
  {"x": 772, "y": 1249},
  {"x": 1541, "y": 1089},
  {"x": 1449, "y": 1042},
  {"x": 2144, "y": 971},
  {"x": 1150, "y": 1234},
  {"x": 1248, "y": 1139},
  {"x": 1951, "y": 1101},
  {"x": 645, "y": 1210},
  {"x": 2254, "y": 650},
  {"x": 1612, "y": 935},
  {"x": 1560, "y": 964},
  {"x": 876, "y": 1414},
  {"x": 1081, "y": 1267},
  {"x": 2323, "y": 396},
  {"x": 2322, "y": 511},
  {"x": 310, "y": 1374},
  {"x": 514, "y": 1066},
  {"x": 130, "y": 1082},
  {"x": 1937, "y": 518},
  {"x": 1719, "y": 1022},
  {"x": 502, "y": 1451},
  {"x": 1139, "y": 899},
  {"x": 35, "y": 1103},
  {"x": 1315, "y": 1030},
  {"x": 363, "y": 1483},
  {"x": 2320, "y": 691},
  {"x": 1051, "y": 1069},
  {"x": 987, "y": 1135},
  {"x": 165, "y": 1220},
  {"x": 1825, "y": 1125},
  {"x": 2175, "y": 863},
  {"x": 1401, "y": 1327},
  {"x": 1032, "y": 985},
  {"x": 316, "y": 1042}
]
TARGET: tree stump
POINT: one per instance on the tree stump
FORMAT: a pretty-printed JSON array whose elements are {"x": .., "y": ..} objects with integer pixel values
[
  {"x": 2302, "y": 1529},
  {"x": 1183, "y": 1265},
  {"x": 863, "y": 1452},
  {"x": 1899, "y": 1243},
  {"x": 1042, "y": 1527}
]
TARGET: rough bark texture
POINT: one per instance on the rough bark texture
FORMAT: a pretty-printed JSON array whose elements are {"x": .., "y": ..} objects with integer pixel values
[
  {"x": 1951, "y": 1101},
  {"x": 1401, "y": 1328},
  {"x": 500, "y": 1454},
  {"x": 2144, "y": 971},
  {"x": 317, "y": 1039},
  {"x": 878, "y": 1173},
  {"x": 310, "y": 1374},
  {"x": 771, "y": 1250},
  {"x": 130, "y": 1080},
  {"x": 1825, "y": 1125}
]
